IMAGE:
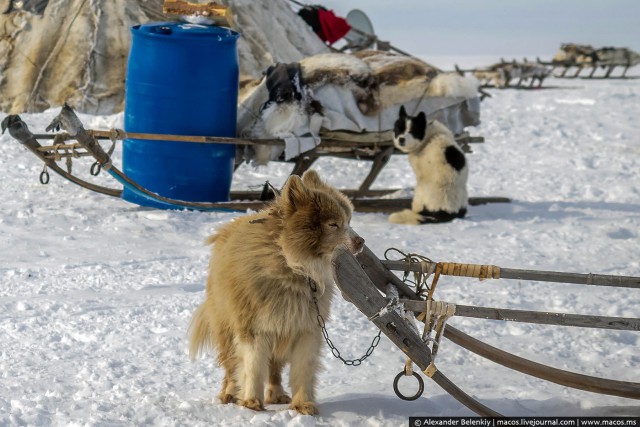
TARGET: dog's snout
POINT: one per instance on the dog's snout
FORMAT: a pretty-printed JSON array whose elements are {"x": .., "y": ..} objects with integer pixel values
[
  {"x": 356, "y": 243},
  {"x": 401, "y": 141}
]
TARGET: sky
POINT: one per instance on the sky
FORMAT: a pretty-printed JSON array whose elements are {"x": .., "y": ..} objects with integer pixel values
[{"x": 510, "y": 28}]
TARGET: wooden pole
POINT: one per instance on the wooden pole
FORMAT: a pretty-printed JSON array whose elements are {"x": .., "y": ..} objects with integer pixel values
[
  {"x": 544, "y": 318},
  {"x": 534, "y": 275}
]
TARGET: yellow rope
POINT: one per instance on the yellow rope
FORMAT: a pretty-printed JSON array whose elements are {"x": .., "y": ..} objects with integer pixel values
[
  {"x": 434, "y": 283},
  {"x": 481, "y": 272}
]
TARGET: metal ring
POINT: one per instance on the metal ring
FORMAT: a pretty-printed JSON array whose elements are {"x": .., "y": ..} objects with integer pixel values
[
  {"x": 402, "y": 396},
  {"x": 44, "y": 177},
  {"x": 95, "y": 169}
]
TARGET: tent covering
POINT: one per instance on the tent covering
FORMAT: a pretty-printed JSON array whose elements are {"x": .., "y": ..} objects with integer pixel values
[{"x": 56, "y": 51}]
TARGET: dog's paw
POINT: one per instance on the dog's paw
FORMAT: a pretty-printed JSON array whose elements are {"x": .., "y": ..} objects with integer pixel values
[
  {"x": 254, "y": 404},
  {"x": 227, "y": 398},
  {"x": 276, "y": 394},
  {"x": 283, "y": 398},
  {"x": 305, "y": 408}
]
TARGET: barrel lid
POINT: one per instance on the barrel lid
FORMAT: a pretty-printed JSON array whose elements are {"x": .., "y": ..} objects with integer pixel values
[{"x": 184, "y": 30}]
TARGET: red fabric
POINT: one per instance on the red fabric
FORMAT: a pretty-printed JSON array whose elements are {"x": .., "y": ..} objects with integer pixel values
[{"x": 333, "y": 27}]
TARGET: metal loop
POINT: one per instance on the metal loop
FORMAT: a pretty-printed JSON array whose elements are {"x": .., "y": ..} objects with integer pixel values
[
  {"x": 402, "y": 396},
  {"x": 95, "y": 169},
  {"x": 44, "y": 177}
]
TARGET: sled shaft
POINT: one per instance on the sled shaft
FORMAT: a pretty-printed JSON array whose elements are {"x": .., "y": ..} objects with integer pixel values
[
  {"x": 544, "y": 318},
  {"x": 512, "y": 273},
  {"x": 577, "y": 278}
]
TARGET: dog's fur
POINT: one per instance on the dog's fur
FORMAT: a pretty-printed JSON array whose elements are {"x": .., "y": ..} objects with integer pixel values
[
  {"x": 440, "y": 167},
  {"x": 258, "y": 314}
]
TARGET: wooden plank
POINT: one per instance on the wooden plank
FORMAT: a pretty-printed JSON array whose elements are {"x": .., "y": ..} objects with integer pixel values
[
  {"x": 379, "y": 162},
  {"x": 381, "y": 276},
  {"x": 357, "y": 288},
  {"x": 373, "y": 204},
  {"x": 544, "y": 318},
  {"x": 393, "y": 205}
]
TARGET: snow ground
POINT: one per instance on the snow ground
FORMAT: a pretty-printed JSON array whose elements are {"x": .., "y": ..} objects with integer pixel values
[{"x": 96, "y": 294}]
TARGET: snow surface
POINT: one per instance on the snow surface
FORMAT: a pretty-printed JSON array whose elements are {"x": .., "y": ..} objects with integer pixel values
[{"x": 96, "y": 294}]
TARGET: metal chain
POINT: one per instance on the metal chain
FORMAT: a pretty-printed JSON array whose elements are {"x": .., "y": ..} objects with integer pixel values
[{"x": 325, "y": 334}]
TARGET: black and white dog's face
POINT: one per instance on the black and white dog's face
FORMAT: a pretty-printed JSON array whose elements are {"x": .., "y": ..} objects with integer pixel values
[{"x": 409, "y": 132}]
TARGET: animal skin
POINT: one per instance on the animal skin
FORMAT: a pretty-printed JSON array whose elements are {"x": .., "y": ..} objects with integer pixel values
[
  {"x": 258, "y": 314},
  {"x": 440, "y": 167}
]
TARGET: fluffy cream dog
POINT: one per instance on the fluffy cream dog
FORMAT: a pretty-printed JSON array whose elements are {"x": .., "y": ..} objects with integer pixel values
[{"x": 258, "y": 314}]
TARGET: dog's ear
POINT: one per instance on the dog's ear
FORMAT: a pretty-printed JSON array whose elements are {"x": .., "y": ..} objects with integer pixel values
[
  {"x": 311, "y": 179},
  {"x": 403, "y": 112},
  {"x": 419, "y": 126},
  {"x": 294, "y": 193}
]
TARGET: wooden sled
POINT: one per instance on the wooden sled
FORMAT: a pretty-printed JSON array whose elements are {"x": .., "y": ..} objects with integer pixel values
[
  {"x": 585, "y": 57},
  {"x": 510, "y": 75},
  {"x": 87, "y": 145},
  {"x": 564, "y": 66},
  {"x": 369, "y": 284}
]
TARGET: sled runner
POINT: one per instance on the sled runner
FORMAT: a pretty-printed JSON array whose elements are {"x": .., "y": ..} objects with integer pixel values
[
  {"x": 386, "y": 300},
  {"x": 63, "y": 148}
]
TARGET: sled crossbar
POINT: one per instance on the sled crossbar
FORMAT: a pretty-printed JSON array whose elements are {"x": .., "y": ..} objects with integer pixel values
[{"x": 327, "y": 143}]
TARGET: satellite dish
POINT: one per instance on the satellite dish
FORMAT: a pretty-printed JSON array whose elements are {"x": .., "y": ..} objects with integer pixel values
[{"x": 361, "y": 35}]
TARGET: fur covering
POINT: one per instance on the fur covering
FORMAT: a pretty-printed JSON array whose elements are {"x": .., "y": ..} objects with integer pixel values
[{"x": 348, "y": 93}]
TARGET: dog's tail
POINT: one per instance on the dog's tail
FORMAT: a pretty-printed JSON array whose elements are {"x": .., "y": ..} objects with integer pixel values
[{"x": 200, "y": 333}]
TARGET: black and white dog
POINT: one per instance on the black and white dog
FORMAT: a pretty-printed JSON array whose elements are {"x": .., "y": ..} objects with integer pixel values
[{"x": 440, "y": 167}]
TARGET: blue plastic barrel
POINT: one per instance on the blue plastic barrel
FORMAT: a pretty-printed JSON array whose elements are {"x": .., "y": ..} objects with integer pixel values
[{"x": 182, "y": 79}]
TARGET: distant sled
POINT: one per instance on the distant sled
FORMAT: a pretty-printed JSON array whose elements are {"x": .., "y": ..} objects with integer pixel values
[
  {"x": 584, "y": 57},
  {"x": 510, "y": 74}
]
